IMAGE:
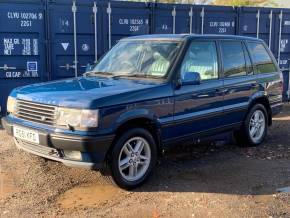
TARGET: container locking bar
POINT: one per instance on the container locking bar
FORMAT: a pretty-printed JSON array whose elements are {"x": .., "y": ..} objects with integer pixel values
[
  {"x": 95, "y": 11},
  {"x": 202, "y": 20},
  {"x": 287, "y": 69},
  {"x": 86, "y": 66},
  {"x": 68, "y": 66},
  {"x": 270, "y": 30},
  {"x": 74, "y": 10},
  {"x": 280, "y": 34},
  {"x": 258, "y": 23},
  {"x": 174, "y": 19},
  {"x": 6, "y": 67},
  {"x": 109, "y": 12},
  {"x": 190, "y": 20}
]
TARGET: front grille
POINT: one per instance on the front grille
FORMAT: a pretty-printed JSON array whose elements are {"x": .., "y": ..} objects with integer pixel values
[{"x": 35, "y": 112}]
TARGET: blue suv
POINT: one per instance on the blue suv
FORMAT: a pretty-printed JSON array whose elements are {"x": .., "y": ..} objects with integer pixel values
[{"x": 145, "y": 95}]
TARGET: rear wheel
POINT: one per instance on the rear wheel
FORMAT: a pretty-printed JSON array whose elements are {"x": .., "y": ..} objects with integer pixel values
[
  {"x": 254, "y": 129},
  {"x": 133, "y": 158}
]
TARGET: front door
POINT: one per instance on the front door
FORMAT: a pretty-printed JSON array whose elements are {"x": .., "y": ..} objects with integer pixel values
[{"x": 199, "y": 107}]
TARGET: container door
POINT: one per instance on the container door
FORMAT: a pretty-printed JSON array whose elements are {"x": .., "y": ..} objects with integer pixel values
[
  {"x": 173, "y": 19},
  {"x": 282, "y": 46},
  {"x": 22, "y": 46},
  {"x": 73, "y": 36},
  {"x": 124, "y": 19},
  {"x": 216, "y": 20},
  {"x": 258, "y": 23}
]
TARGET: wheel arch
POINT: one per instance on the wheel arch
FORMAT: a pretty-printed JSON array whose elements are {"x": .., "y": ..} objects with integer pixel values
[
  {"x": 138, "y": 119},
  {"x": 262, "y": 99}
]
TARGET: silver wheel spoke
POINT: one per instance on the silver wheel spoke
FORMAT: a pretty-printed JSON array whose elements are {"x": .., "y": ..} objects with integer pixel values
[
  {"x": 142, "y": 157},
  {"x": 131, "y": 171},
  {"x": 256, "y": 117},
  {"x": 139, "y": 146},
  {"x": 129, "y": 148},
  {"x": 253, "y": 131},
  {"x": 126, "y": 150},
  {"x": 135, "y": 170},
  {"x": 124, "y": 163}
]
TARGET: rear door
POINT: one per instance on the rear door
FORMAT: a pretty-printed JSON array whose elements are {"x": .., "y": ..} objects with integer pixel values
[
  {"x": 267, "y": 73},
  {"x": 239, "y": 80}
]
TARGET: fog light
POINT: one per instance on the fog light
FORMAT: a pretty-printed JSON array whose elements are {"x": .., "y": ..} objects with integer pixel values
[{"x": 75, "y": 155}]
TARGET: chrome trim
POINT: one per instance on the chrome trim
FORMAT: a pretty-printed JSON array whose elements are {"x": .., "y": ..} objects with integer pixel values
[{"x": 36, "y": 112}]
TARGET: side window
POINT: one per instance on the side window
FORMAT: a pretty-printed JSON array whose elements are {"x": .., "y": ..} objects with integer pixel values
[
  {"x": 261, "y": 58},
  {"x": 233, "y": 59},
  {"x": 201, "y": 57}
]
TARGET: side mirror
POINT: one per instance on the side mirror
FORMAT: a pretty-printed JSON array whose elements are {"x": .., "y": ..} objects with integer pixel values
[
  {"x": 191, "y": 78},
  {"x": 89, "y": 67}
]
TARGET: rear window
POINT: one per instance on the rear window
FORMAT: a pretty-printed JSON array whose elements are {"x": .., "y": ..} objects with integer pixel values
[
  {"x": 233, "y": 59},
  {"x": 261, "y": 58}
]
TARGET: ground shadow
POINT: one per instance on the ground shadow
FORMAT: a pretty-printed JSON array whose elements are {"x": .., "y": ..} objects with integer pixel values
[{"x": 225, "y": 169}]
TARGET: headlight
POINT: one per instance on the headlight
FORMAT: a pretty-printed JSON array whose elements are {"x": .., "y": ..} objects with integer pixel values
[
  {"x": 77, "y": 118},
  {"x": 11, "y": 105}
]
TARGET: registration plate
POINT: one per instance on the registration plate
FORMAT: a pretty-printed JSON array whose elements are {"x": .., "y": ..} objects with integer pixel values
[{"x": 26, "y": 134}]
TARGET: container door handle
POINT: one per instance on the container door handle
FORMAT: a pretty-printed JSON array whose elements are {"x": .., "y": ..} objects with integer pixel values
[
  {"x": 68, "y": 66},
  {"x": 6, "y": 67},
  {"x": 85, "y": 66}
]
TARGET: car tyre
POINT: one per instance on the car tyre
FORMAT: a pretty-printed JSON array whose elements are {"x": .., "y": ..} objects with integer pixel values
[
  {"x": 254, "y": 129},
  {"x": 133, "y": 157}
]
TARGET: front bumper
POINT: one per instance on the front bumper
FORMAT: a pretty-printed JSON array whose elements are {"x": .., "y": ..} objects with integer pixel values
[{"x": 53, "y": 146}]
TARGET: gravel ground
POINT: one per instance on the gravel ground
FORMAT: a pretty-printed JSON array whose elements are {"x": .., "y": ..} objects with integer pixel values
[{"x": 221, "y": 181}]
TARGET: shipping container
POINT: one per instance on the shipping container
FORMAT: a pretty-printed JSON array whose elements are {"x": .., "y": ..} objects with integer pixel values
[
  {"x": 22, "y": 47},
  {"x": 53, "y": 39},
  {"x": 283, "y": 47},
  {"x": 172, "y": 18},
  {"x": 72, "y": 32},
  {"x": 216, "y": 20},
  {"x": 123, "y": 19}
]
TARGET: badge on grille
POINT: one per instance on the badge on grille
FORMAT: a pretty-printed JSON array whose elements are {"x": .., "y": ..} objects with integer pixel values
[{"x": 43, "y": 118}]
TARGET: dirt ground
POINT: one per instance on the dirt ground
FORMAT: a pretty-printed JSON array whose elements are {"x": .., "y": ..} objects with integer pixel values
[{"x": 223, "y": 181}]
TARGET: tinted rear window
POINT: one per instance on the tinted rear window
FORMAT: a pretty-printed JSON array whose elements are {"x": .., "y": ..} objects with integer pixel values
[
  {"x": 233, "y": 59},
  {"x": 261, "y": 58}
]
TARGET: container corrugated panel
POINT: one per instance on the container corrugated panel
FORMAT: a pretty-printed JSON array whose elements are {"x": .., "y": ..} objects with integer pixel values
[
  {"x": 216, "y": 20},
  {"x": 283, "y": 48},
  {"x": 22, "y": 45},
  {"x": 123, "y": 19},
  {"x": 72, "y": 37},
  {"x": 173, "y": 18},
  {"x": 273, "y": 26},
  {"x": 258, "y": 23}
]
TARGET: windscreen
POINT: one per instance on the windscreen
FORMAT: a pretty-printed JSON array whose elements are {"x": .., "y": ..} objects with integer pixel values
[{"x": 140, "y": 58}]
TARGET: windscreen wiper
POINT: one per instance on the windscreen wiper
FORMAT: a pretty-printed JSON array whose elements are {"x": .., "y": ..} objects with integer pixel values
[
  {"x": 137, "y": 75},
  {"x": 94, "y": 73}
]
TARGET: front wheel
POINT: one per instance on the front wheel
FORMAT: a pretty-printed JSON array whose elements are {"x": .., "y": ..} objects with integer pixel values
[
  {"x": 133, "y": 158},
  {"x": 254, "y": 129}
]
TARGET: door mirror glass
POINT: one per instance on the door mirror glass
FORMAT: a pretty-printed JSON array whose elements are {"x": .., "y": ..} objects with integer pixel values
[{"x": 191, "y": 78}]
